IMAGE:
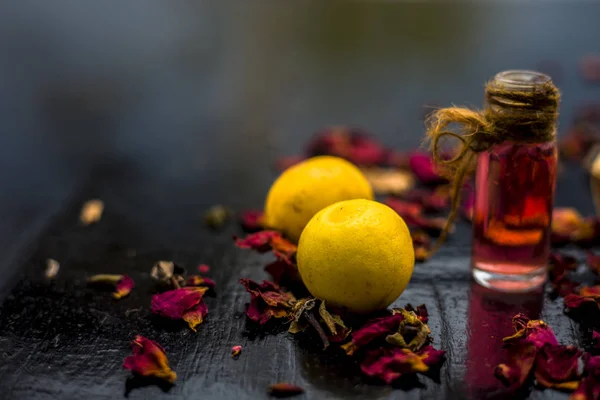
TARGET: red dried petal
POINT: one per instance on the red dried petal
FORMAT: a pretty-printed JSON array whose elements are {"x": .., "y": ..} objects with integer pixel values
[
  {"x": 259, "y": 241},
  {"x": 195, "y": 315},
  {"x": 175, "y": 303},
  {"x": 374, "y": 329},
  {"x": 421, "y": 312},
  {"x": 122, "y": 283},
  {"x": 593, "y": 262},
  {"x": 430, "y": 200},
  {"x": 560, "y": 265},
  {"x": 149, "y": 359},
  {"x": 590, "y": 291},
  {"x": 197, "y": 280},
  {"x": 421, "y": 164},
  {"x": 267, "y": 300},
  {"x": 558, "y": 367},
  {"x": 283, "y": 389},
  {"x": 575, "y": 302},
  {"x": 411, "y": 213},
  {"x": 236, "y": 351},
  {"x": 591, "y": 365},
  {"x": 282, "y": 247},
  {"x": 388, "y": 364},
  {"x": 589, "y": 389},
  {"x": 352, "y": 144},
  {"x": 535, "y": 332},
  {"x": 252, "y": 220},
  {"x": 431, "y": 356},
  {"x": 203, "y": 268},
  {"x": 596, "y": 339},
  {"x": 283, "y": 271},
  {"x": 518, "y": 368},
  {"x": 283, "y": 163}
]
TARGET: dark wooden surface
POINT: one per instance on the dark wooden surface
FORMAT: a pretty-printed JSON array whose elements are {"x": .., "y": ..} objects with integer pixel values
[{"x": 199, "y": 119}]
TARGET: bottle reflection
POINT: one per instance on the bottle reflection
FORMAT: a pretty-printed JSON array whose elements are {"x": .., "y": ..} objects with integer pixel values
[{"x": 489, "y": 320}]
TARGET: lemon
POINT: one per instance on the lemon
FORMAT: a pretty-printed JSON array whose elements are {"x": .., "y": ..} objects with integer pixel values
[
  {"x": 356, "y": 254},
  {"x": 305, "y": 188}
]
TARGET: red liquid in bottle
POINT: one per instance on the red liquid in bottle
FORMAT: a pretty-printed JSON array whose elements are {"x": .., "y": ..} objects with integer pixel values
[{"x": 512, "y": 215}]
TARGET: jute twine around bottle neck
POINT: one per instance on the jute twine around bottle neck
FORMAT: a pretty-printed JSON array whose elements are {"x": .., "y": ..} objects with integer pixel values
[{"x": 510, "y": 115}]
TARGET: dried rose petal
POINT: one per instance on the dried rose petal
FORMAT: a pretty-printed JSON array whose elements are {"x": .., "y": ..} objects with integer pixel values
[
  {"x": 412, "y": 333},
  {"x": 422, "y": 165},
  {"x": 411, "y": 213},
  {"x": 431, "y": 200},
  {"x": 565, "y": 221},
  {"x": 91, "y": 211},
  {"x": 518, "y": 368},
  {"x": 267, "y": 301},
  {"x": 559, "y": 267},
  {"x": 149, "y": 359},
  {"x": 283, "y": 248},
  {"x": 352, "y": 144},
  {"x": 575, "y": 302},
  {"x": 421, "y": 245},
  {"x": 557, "y": 367},
  {"x": 283, "y": 389},
  {"x": 420, "y": 311},
  {"x": 184, "y": 303},
  {"x": 596, "y": 339},
  {"x": 374, "y": 329},
  {"x": 388, "y": 364},
  {"x": 203, "y": 268},
  {"x": 197, "y": 280},
  {"x": 236, "y": 351},
  {"x": 593, "y": 262},
  {"x": 122, "y": 283},
  {"x": 252, "y": 220},
  {"x": 535, "y": 332},
  {"x": 589, "y": 389},
  {"x": 283, "y": 163},
  {"x": 283, "y": 271},
  {"x": 431, "y": 356},
  {"x": 259, "y": 241},
  {"x": 195, "y": 315}
]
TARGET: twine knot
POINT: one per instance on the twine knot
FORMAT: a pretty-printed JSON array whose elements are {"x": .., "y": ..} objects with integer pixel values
[{"x": 519, "y": 116}]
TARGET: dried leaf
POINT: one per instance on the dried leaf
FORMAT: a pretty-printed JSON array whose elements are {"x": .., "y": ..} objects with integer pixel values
[
  {"x": 337, "y": 329},
  {"x": 217, "y": 216},
  {"x": 123, "y": 284},
  {"x": 162, "y": 271},
  {"x": 284, "y": 390},
  {"x": 236, "y": 351},
  {"x": 149, "y": 359},
  {"x": 91, "y": 211},
  {"x": 267, "y": 300},
  {"x": 52, "y": 267}
]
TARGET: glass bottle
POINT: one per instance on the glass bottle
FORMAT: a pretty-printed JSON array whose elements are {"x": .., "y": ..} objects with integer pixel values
[{"x": 514, "y": 197}]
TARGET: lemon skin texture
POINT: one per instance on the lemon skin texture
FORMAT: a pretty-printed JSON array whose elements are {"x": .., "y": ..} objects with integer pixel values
[
  {"x": 356, "y": 254},
  {"x": 305, "y": 188}
]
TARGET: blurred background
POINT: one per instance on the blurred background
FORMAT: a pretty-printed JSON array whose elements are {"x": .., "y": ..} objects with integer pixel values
[{"x": 209, "y": 93}]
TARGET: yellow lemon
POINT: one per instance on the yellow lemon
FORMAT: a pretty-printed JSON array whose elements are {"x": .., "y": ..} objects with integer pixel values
[
  {"x": 356, "y": 254},
  {"x": 305, "y": 188}
]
